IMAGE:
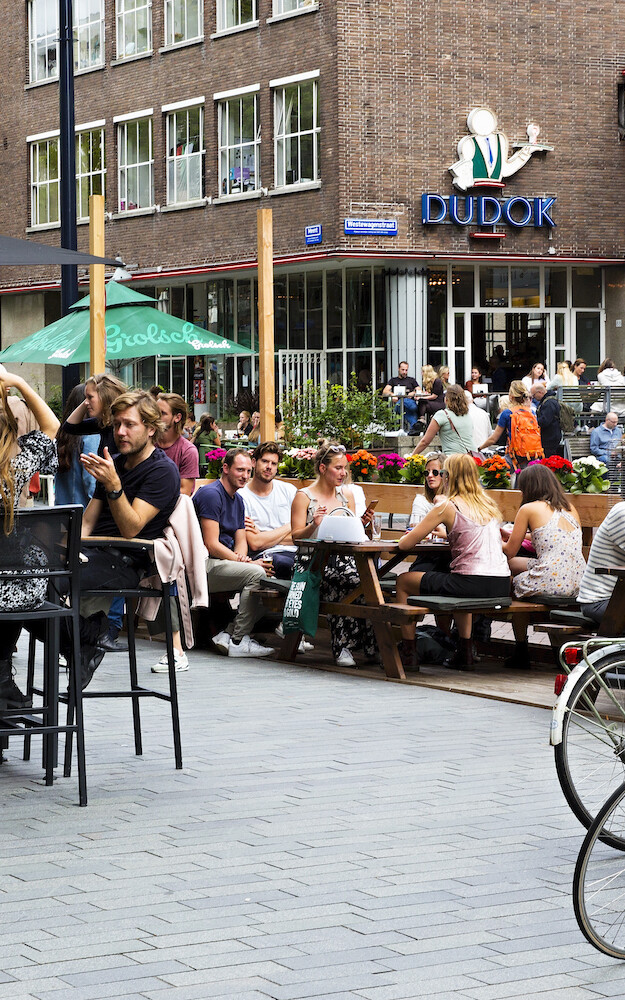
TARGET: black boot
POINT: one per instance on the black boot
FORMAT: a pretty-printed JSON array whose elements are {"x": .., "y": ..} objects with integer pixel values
[
  {"x": 408, "y": 653},
  {"x": 10, "y": 694},
  {"x": 520, "y": 659},
  {"x": 90, "y": 659},
  {"x": 462, "y": 659}
]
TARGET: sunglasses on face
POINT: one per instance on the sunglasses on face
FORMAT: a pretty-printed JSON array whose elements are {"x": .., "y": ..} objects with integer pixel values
[{"x": 434, "y": 472}]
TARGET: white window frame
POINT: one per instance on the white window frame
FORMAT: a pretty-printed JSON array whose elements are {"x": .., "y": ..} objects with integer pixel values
[
  {"x": 228, "y": 104},
  {"x": 234, "y": 7},
  {"x": 170, "y": 8},
  {"x": 48, "y": 38},
  {"x": 281, "y": 7},
  {"x": 126, "y": 12},
  {"x": 86, "y": 32},
  {"x": 52, "y": 184},
  {"x": 86, "y": 177},
  {"x": 180, "y": 167},
  {"x": 281, "y": 135},
  {"x": 125, "y": 169}
]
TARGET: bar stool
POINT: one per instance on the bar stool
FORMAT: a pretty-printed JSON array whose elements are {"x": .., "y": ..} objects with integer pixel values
[
  {"x": 45, "y": 544},
  {"x": 135, "y": 692}
]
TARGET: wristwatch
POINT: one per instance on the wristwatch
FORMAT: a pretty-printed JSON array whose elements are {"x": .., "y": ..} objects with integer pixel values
[{"x": 114, "y": 494}]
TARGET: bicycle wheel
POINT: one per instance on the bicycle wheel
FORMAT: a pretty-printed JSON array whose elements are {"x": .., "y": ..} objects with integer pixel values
[
  {"x": 590, "y": 760},
  {"x": 599, "y": 880}
]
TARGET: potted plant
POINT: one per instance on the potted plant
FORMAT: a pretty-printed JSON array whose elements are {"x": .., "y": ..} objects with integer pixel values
[
  {"x": 591, "y": 475},
  {"x": 362, "y": 465},
  {"x": 494, "y": 473},
  {"x": 390, "y": 467},
  {"x": 414, "y": 470}
]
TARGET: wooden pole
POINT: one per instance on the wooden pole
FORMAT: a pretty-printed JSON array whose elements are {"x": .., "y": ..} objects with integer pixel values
[
  {"x": 266, "y": 356},
  {"x": 97, "y": 296}
]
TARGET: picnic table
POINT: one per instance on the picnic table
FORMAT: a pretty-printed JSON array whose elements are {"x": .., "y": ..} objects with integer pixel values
[{"x": 369, "y": 592}]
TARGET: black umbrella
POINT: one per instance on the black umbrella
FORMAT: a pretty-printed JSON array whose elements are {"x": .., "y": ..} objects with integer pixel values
[{"x": 26, "y": 252}]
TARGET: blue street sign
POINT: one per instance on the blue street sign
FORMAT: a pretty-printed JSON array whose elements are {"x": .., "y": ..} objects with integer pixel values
[
  {"x": 371, "y": 227},
  {"x": 313, "y": 235}
]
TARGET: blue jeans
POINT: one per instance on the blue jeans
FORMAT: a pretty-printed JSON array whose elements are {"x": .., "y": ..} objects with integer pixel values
[{"x": 411, "y": 410}]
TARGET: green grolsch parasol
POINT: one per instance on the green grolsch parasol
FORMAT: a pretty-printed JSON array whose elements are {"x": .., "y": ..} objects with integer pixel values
[{"x": 134, "y": 329}]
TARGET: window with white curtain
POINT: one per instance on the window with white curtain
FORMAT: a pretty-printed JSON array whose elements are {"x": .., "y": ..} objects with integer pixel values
[
  {"x": 297, "y": 133},
  {"x": 185, "y": 154},
  {"x": 134, "y": 27},
  {"x": 135, "y": 165},
  {"x": 234, "y": 13},
  {"x": 286, "y": 6},
  {"x": 88, "y": 33},
  {"x": 43, "y": 45},
  {"x": 239, "y": 144},
  {"x": 184, "y": 21}
]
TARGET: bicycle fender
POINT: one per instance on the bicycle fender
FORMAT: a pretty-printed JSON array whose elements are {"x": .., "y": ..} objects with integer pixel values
[{"x": 559, "y": 709}]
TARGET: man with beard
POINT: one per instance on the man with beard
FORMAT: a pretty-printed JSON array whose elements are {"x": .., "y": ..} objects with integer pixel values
[
  {"x": 268, "y": 512},
  {"x": 174, "y": 414},
  {"x": 134, "y": 497}
]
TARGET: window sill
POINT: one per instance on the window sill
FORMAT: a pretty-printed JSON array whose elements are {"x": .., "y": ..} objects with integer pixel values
[
  {"x": 41, "y": 83},
  {"x": 131, "y": 59},
  {"x": 89, "y": 69},
  {"x": 42, "y": 228},
  {"x": 183, "y": 205},
  {"x": 181, "y": 45},
  {"x": 228, "y": 199},
  {"x": 132, "y": 213},
  {"x": 235, "y": 31},
  {"x": 311, "y": 9},
  {"x": 294, "y": 188}
]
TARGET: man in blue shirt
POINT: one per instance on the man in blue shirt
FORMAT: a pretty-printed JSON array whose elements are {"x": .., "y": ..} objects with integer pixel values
[
  {"x": 228, "y": 567},
  {"x": 605, "y": 438}
]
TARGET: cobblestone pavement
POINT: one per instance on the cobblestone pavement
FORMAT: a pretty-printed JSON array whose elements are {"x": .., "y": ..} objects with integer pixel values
[{"x": 329, "y": 836}]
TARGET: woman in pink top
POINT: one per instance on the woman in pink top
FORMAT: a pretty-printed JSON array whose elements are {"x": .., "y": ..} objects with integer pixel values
[{"x": 478, "y": 566}]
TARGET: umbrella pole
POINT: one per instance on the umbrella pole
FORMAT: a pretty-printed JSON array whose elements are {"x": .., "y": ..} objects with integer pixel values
[
  {"x": 97, "y": 297},
  {"x": 266, "y": 360}
]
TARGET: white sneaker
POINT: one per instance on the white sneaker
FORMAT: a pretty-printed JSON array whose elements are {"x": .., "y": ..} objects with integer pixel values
[
  {"x": 221, "y": 641},
  {"x": 345, "y": 659},
  {"x": 305, "y": 646},
  {"x": 279, "y": 631},
  {"x": 180, "y": 659},
  {"x": 248, "y": 647}
]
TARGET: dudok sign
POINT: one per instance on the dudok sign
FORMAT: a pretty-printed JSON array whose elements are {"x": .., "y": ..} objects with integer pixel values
[{"x": 484, "y": 210}]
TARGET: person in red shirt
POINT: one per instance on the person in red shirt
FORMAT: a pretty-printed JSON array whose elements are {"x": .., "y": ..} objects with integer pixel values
[{"x": 174, "y": 414}]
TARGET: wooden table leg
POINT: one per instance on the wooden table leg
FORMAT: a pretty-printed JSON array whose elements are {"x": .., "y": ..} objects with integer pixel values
[
  {"x": 389, "y": 654},
  {"x": 289, "y": 646}
]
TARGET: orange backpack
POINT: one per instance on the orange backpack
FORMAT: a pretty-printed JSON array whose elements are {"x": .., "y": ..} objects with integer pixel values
[{"x": 525, "y": 439}]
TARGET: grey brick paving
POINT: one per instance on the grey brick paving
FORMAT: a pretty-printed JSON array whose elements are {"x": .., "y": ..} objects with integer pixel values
[{"x": 329, "y": 837}]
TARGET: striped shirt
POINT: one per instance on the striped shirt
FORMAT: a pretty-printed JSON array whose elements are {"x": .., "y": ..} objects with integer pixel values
[{"x": 607, "y": 549}]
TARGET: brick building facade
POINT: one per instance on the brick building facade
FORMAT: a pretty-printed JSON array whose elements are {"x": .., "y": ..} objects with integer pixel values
[{"x": 359, "y": 108}]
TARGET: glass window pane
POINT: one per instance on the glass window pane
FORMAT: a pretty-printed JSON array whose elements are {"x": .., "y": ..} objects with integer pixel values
[
  {"x": 525, "y": 286},
  {"x": 358, "y": 307},
  {"x": 555, "y": 287},
  {"x": 494, "y": 286},
  {"x": 588, "y": 339},
  {"x": 297, "y": 340},
  {"x": 437, "y": 307},
  {"x": 314, "y": 311},
  {"x": 379, "y": 286},
  {"x": 463, "y": 286},
  {"x": 587, "y": 288},
  {"x": 280, "y": 312},
  {"x": 334, "y": 323},
  {"x": 244, "y": 313}
]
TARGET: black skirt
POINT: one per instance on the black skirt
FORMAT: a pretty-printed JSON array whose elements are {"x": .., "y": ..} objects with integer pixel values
[{"x": 457, "y": 585}]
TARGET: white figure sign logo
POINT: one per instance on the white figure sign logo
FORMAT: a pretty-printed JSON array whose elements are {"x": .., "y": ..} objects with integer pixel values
[{"x": 483, "y": 159}]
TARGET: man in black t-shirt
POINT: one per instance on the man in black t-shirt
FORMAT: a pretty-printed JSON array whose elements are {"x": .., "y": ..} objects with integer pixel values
[
  {"x": 403, "y": 386},
  {"x": 134, "y": 497}
]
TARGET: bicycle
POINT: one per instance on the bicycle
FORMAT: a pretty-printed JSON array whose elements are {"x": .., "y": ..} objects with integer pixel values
[{"x": 588, "y": 726}]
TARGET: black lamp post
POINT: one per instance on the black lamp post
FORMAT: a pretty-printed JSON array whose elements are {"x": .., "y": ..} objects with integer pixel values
[{"x": 69, "y": 272}]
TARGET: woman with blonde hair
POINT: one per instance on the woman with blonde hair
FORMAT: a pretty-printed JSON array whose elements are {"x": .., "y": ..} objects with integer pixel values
[
  {"x": 325, "y": 495},
  {"x": 517, "y": 422},
  {"x": 434, "y": 398},
  {"x": 478, "y": 566},
  {"x": 452, "y": 423},
  {"x": 20, "y": 458}
]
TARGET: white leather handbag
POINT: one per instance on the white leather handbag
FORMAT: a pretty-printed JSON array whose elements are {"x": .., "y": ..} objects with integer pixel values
[{"x": 342, "y": 525}]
